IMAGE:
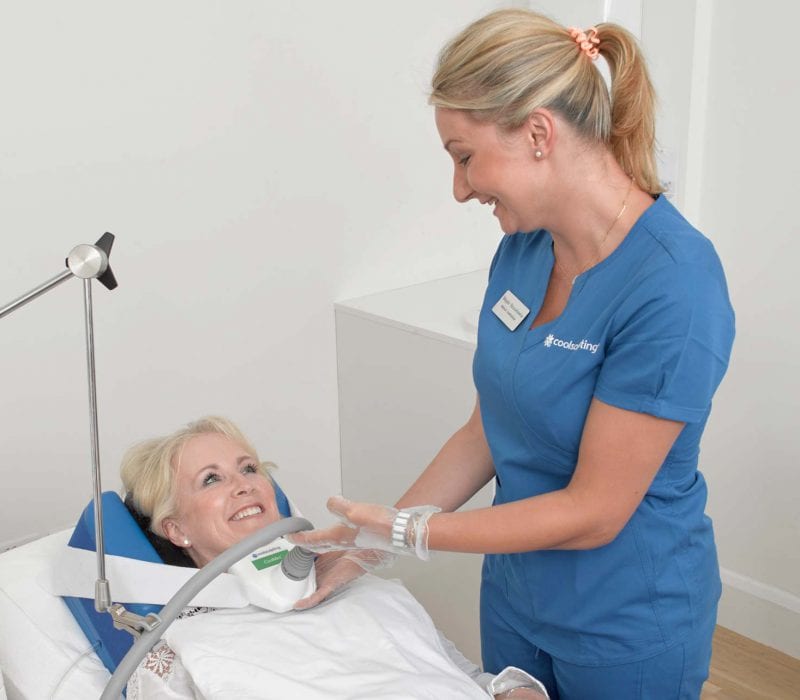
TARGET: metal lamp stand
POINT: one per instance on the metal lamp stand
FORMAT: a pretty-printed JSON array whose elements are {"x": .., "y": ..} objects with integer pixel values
[{"x": 89, "y": 262}]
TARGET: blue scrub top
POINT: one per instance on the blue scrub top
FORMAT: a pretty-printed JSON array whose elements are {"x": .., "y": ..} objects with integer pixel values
[{"x": 648, "y": 329}]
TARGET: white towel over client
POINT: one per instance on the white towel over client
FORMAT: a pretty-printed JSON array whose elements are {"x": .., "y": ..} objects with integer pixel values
[{"x": 372, "y": 640}]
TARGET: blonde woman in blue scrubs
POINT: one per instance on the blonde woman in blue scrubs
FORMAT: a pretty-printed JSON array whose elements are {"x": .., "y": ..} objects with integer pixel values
[{"x": 605, "y": 331}]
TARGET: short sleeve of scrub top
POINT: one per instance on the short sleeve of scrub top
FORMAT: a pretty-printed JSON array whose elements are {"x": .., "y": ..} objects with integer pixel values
[
  {"x": 670, "y": 345},
  {"x": 648, "y": 329}
]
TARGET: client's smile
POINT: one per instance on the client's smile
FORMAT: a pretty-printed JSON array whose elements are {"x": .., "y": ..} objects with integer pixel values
[{"x": 247, "y": 512}]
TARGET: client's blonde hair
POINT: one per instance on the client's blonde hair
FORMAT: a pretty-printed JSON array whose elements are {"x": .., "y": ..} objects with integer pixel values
[
  {"x": 148, "y": 468},
  {"x": 511, "y": 62}
]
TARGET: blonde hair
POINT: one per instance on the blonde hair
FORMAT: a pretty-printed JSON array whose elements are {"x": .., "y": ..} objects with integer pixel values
[
  {"x": 148, "y": 468},
  {"x": 511, "y": 62}
]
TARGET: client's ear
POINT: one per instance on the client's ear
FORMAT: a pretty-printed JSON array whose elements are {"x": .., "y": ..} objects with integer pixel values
[{"x": 174, "y": 533}]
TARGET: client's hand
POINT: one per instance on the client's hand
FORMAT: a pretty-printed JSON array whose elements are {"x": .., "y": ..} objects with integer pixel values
[
  {"x": 370, "y": 526},
  {"x": 336, "y": 569}
]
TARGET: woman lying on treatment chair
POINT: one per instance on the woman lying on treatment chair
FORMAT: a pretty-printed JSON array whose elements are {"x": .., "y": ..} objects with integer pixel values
[{"x": 204, "y": 489}]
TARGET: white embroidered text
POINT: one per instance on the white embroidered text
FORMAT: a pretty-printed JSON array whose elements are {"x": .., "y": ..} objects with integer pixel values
[{"x": 584, "y": 344}]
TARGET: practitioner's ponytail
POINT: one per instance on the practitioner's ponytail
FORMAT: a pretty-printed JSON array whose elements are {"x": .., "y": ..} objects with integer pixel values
[{"x": 632, "y": 137}]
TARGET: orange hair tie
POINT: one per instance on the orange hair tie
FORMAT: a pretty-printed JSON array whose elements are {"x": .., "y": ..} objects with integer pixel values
[{"x": 587, "y": 41}]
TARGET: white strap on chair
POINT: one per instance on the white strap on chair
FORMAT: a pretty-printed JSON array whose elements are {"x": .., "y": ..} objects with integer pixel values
[{"x": 73, "y": 573}]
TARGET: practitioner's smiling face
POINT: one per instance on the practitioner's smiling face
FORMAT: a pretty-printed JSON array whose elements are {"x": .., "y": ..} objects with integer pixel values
[
  {"x": 221, "y": 494},
  {"x": 493, "y": 167}
]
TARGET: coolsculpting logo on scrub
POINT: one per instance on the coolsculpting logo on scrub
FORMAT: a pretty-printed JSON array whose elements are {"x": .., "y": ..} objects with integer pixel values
[{"x": 570, "y": 345}]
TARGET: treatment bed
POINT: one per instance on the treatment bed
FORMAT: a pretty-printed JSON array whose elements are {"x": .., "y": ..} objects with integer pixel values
[{"x": 44, "y": 653}]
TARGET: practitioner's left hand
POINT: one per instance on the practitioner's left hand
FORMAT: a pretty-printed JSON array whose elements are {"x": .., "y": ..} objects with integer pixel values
[{"x": 368, "y": 526}]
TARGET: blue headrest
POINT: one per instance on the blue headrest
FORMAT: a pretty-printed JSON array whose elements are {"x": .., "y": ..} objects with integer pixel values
[{"x": 123, "y": 537}]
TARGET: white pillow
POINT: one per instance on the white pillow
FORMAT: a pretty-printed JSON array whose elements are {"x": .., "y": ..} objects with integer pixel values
[{"x": 42, "y": 648}]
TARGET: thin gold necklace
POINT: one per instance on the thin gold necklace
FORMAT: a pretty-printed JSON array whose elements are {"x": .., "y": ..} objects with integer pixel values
[{"x": 602, "y": 240}]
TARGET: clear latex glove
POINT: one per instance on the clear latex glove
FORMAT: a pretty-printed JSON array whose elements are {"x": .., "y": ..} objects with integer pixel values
[
  {"x": 521, "y": 694},
  {"x": 335, "y": 570},
  {"x": 370, "y": 526},
  {"x": 513, "y": 683}
]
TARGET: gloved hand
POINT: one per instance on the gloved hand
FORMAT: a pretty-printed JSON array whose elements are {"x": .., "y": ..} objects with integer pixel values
[
  {"x": 373, "y": 527},
  {"x": 521, "y": 694},
  {"x": 336, "y": 569},
  {"x": 512, "y": 683}
]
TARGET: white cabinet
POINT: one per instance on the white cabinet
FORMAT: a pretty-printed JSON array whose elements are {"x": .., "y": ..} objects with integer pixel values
[{"x": 405, "y": 385}]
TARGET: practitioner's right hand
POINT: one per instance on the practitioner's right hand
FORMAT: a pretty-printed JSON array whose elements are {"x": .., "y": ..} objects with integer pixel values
[
  {"x": 521, "y": 694},
  {"x": 336, "y": 569}
]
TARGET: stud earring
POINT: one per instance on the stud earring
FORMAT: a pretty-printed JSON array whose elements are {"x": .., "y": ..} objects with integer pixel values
[
  {"x": 538, "y": 154},
  {"x": 185, "y": 543}
]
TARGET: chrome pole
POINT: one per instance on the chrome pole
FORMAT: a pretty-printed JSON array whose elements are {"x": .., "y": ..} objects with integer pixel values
[
  {"x": 86, "y": 262},
  {"x": 102, "y": 591}
]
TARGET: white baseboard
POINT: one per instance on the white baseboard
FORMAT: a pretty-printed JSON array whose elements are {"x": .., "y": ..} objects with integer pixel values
[{"x": 762, "y": 612}]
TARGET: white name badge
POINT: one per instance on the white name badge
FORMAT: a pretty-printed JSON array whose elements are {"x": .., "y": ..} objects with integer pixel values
[{"x": 510, "y": 310}]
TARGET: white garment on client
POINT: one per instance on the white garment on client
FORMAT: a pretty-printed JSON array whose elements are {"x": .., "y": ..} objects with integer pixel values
[{"x": 371, "y": 640}]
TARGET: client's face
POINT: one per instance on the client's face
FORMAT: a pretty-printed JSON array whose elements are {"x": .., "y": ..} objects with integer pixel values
[{"x": 221, "y": 497}]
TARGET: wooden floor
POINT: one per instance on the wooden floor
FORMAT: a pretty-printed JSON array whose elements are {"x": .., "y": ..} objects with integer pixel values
[{"x": 742, "y": 669}]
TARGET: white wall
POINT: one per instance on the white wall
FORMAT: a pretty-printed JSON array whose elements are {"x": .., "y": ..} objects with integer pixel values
[
  {"x": 257, "y": 161},
  {"x": 751, "y": 170}
]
